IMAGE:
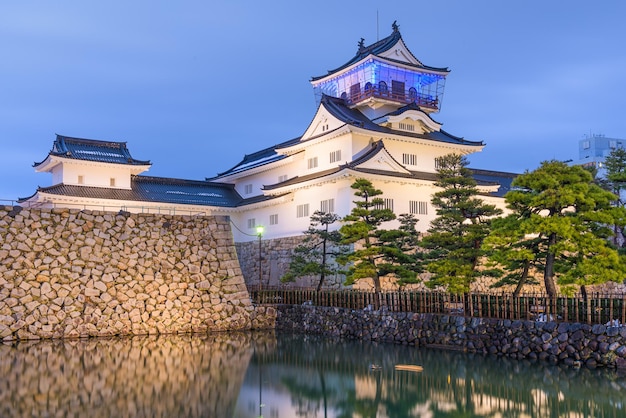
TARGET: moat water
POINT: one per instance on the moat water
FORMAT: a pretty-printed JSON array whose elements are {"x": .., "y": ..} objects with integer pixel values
[{"x": 282, "y": 376}]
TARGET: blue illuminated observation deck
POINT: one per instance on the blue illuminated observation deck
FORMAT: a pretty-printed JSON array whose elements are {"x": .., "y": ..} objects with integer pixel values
[{"x": 385, "y": 76}]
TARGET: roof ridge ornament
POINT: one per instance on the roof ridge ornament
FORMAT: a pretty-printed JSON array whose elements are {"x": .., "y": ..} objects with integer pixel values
[
  {"x": 395, "y": 26},
  {"x": 361, "y": 44}
]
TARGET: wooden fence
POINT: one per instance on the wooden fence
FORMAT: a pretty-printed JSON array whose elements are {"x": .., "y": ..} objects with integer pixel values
[{"x": 594, "y": 309}]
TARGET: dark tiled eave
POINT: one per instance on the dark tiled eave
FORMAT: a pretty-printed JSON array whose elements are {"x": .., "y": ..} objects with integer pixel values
[
  {"x": 303, "y": 179},
  {"x": 354, "y": 117},
  {"x": 93, "y": 150},
  {"x": 157, "y": 190},
  {"x": 376, "y": 49},
  {"x": 258, "y": 159}
]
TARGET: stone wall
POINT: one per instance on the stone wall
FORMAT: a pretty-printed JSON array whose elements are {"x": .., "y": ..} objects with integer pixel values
[
  {"x": 71, "y": 273},
  {"x": 569, "y": 343},
  {"x": 276, "y": 255}
]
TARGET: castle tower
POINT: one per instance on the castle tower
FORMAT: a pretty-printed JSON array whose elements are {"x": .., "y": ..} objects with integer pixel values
[{"x": 383, "y": 77}]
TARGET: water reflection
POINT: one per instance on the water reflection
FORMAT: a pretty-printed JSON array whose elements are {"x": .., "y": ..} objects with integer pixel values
[
  {"x": 261, "y": 374},
  {"x": 314, "y": 377},
  {"x": 153, "y": 376}
]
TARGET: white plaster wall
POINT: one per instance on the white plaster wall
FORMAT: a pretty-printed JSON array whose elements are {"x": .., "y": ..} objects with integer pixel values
[
  {"x": 96, "y": 175},
  {"x": 426, "y": 154}
]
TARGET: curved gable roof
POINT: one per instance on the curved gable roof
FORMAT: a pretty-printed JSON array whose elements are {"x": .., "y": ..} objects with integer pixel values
[
  {"x": 92, "y": 150},
  {"x": 257, "y": 159},
  {"x": 377, "y": 49},
  {"x": 338, "y": 108}
]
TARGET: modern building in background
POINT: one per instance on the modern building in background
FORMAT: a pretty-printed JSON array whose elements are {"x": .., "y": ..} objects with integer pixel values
[
  {"x": 374, "y": 120},
  {"x": 593, "y": 150}
]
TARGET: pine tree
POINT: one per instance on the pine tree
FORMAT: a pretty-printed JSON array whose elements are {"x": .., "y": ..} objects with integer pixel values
[
  {"x": 513, "y": 256},
  {"x": 455, "y": 237},
  {"x": 569, "y": 218},
  {"x": 374, "y": 257},
  {"x": 615, "y": 182},
  {"x": 317, "y": 252}
]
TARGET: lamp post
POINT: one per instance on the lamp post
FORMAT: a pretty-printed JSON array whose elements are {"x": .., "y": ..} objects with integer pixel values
[{"x": 259, "y": 232}]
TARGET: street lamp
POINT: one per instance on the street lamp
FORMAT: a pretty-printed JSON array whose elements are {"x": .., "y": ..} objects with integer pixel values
[{"x": 259, "y": 232}]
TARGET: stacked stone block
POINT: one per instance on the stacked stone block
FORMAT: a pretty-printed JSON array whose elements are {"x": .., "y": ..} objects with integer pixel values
[{"x": 71, "y": 273}]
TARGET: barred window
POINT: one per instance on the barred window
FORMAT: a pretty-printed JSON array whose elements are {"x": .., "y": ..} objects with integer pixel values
[
  {"x": 327, "y": 206},
  {"x": 409, "y": 159},
  {"x": 251, "y": 223},
  {"x": 438, "y": 163},
  {"x": 282, "y": 178},
  {"x": 335, "y": 156},
  {"x": 418, "y": 208},
  {"x": 312, "y": 163},
  {"x": 274, "y": 219},
  {"x": 302, "y": 210},
  {"x": 407, "y": 127},
  {"x": 248, "y": 189},
  {"x": 386, "y": 204}
]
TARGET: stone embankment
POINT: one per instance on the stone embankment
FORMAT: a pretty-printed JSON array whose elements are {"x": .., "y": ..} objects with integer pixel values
[
  {"x": 569, "y": 343},
  {"x": 68, "y": 273}
]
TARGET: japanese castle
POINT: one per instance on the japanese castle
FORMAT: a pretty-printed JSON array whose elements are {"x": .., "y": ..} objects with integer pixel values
[{"x": 373, "y": 121}]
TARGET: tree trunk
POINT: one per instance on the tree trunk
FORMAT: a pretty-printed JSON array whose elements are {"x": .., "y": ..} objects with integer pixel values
[
  {"x": 522, "y": 280},
  {"x": 323, "y": 273},
  {"x": 377, "y": 290},
  {"x": 548, "y": 276}
]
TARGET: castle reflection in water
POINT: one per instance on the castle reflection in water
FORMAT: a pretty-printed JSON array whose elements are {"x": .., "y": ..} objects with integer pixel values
[{"x": 284, "y": 376}]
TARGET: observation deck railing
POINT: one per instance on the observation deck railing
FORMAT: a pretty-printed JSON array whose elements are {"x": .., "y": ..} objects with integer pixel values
[{"x": 404, "y": 96}]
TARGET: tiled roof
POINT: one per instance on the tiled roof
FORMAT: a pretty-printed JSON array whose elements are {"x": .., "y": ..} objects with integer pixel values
[
  {"x": 354, "y": 117},
  {"x": 482, "y": 177},
  {"x": 302, "y": 179},
  {"x": 158, "y": 190},
  {"x": 376, "y": 49},
  {"x": 257, "y": 159},
  {"x": 93, "y": 150},
  {"x": 504, "y": 179}
]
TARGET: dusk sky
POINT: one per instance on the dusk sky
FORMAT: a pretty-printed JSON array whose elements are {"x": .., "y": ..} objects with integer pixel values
[{"x": 192, "y": 86}]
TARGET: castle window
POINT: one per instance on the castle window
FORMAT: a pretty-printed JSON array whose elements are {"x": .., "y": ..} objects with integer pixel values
[
  {"x": 344, "y": 96},
  {"x": 397, "y": 89},
  {"x": 438, "y": 162},
  {"x": 251, "y": 223},
  {"x": 386, "y": 204},
  {"x": 282, "y": 178},
  {"x": 355, "y": 91},
  {"x": 335, "y": 156},
  {"x": 412, "y": 94},
  {"x": 112, "y": 182},
  {"x": 407, "y": 126},
  {"x": 418, "y": 208},
  {"x": 382, "y": 88},
  {"x": 248, "y": 189},
  {"x": 368, "y": 89},
  {"x": 302, "y": 210},
  {"x": 327, "y": 206},
  {"x": 274, "y": 219},
  {"x": 409, "y": 159},
  {"x": 312, "y": 163},
  {"x": 81, "y": 180}
]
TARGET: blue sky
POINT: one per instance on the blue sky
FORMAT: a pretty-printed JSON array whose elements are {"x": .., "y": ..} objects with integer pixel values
[{"x": 192, "y": 86}]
